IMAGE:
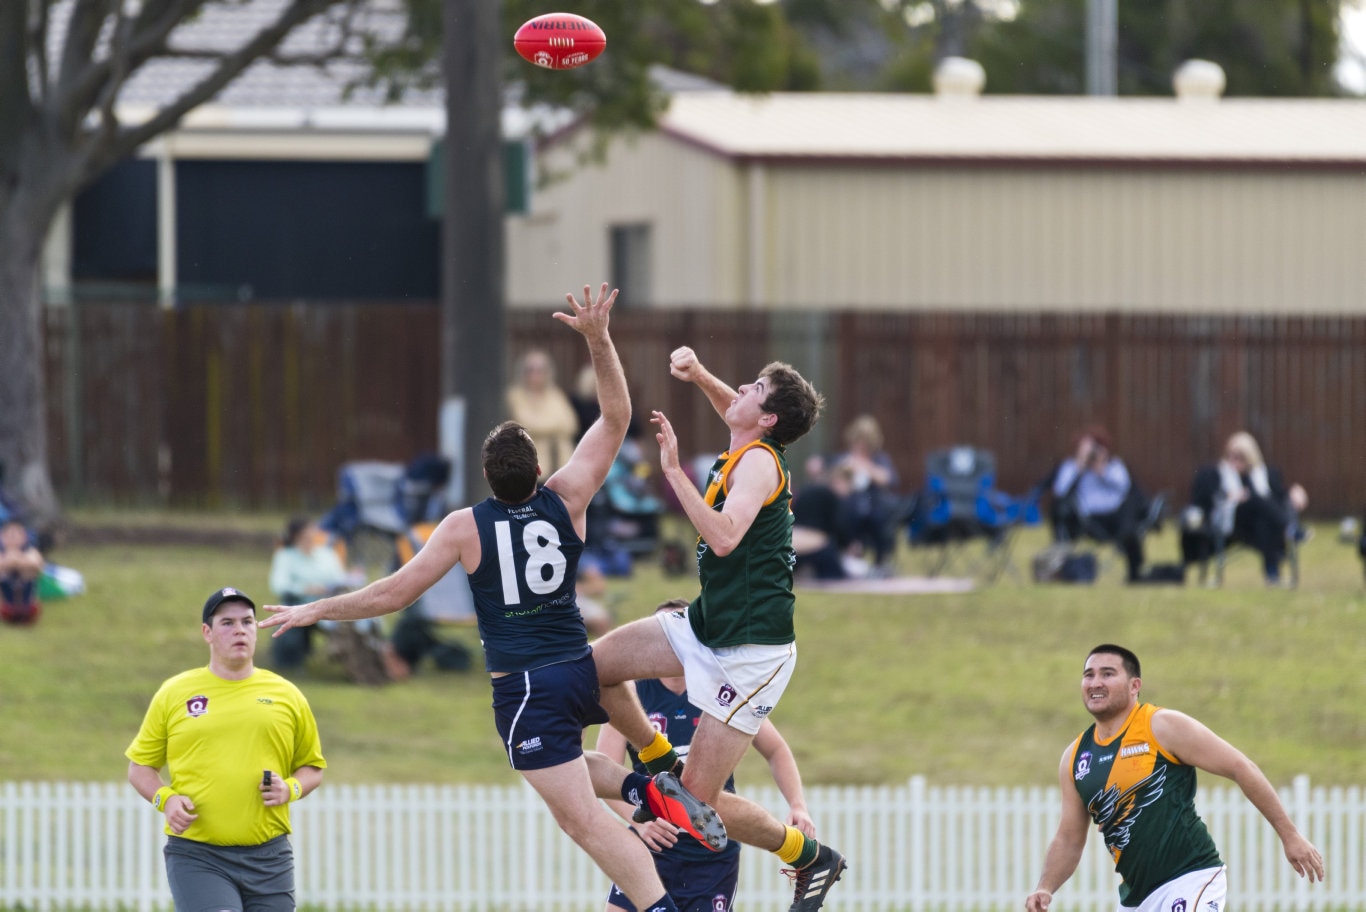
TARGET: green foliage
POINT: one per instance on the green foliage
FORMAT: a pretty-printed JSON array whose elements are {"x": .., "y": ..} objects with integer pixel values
[
  {"x": 739, "y": 43},
  {"x": 972, "y": 688},
  {"x": 1266, "y": 47}
]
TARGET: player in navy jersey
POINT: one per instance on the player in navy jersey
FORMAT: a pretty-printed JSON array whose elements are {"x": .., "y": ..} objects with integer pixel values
[
  {"x": 697, "y": 880},
  {"x": 521, "y": 549}
]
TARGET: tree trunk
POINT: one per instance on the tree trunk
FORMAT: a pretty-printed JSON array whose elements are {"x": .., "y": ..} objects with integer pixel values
[
  {"x": 472, "y": 305},
  {"x": 23, "y": 402}
]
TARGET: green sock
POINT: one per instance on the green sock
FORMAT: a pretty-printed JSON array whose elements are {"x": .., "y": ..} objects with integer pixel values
[{"x": 663, "y": 763}]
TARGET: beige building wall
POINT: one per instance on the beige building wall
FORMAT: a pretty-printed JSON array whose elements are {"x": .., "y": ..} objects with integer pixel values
[
  {"x": 1153, "y": 240},
  {"x": 886, "y": 237},
  {"x": 692, "y": 201}
]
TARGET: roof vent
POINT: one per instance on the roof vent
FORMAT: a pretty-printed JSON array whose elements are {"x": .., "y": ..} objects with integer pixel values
[
  {"x": 1197, "y": 80},
  {"x": 959, "y": 77}
]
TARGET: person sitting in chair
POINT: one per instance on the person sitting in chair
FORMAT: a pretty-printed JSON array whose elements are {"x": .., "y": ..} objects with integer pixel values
[
  {"x": 1243, "y": 499},
  {"x": 1094, "y": 496}
]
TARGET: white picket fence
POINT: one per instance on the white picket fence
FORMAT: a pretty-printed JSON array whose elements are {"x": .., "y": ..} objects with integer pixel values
[{"x": 464, "y": 847}]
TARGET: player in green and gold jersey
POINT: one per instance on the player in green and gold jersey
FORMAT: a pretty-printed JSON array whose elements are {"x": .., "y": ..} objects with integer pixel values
[
  {"x": 240, "y": 743},
  {"x": 1132, "y": 773},
  {"x": 735, "y": 644}
]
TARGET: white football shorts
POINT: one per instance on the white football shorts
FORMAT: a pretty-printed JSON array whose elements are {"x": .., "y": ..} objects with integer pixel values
[
  {"x": 739, "y": 685},
  {"x": 1199, "y": 891}
]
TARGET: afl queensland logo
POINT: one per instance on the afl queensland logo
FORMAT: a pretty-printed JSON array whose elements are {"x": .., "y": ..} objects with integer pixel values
[
  {"x": 1083, "y": 765},
  {"x": 197, "y": 706},
  {"x": 726, "y": 695},
  {"x": 719, "y": 903}
]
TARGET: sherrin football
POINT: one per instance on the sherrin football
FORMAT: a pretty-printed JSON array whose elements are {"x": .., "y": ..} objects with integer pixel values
[{"x": 559, "y": 41}]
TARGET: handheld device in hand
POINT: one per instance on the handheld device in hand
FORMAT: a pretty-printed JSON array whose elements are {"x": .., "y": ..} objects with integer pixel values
[{"x": 265, "y": 777}]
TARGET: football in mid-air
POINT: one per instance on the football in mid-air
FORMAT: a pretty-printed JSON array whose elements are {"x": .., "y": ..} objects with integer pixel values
[{"x": 559, "y": 41}]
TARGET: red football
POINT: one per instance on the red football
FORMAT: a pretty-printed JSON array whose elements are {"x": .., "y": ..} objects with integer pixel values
[{"x": 559, "y": 41}]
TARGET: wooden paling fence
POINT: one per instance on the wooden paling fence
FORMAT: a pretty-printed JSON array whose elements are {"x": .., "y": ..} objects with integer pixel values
[
  {"x": 67, "y": 846},
  {"x": 258, "y": 405}
]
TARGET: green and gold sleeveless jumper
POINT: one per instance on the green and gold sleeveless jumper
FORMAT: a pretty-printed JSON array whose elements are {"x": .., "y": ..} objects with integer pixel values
[
  {"x": 1143, "y": 801},
  {"x": 747, "y": 595}
]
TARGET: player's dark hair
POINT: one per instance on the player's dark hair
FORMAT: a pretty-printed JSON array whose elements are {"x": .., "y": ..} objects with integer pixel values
[
  {"x": 1128, "y": 658},
  {"x": 510, "y": 465},
  {"x": 672, "y": 604},
  {"x": 792, "y": 399}
]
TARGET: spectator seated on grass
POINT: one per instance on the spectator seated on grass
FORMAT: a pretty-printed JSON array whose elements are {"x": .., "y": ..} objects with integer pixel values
[
  {"x": 21, "y": 566},
  {"x": 307, "y": 567}
]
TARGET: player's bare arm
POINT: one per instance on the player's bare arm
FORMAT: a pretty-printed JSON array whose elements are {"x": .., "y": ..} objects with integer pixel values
[
  {"x": 1193, "y": 743},
  {"x": 178, "y": 810},
  {"x": 1064, "y": 852},
  {"x": 279, "y": 792},
  {"x": 394, "y": 592},
  {"x": 782, "y": 764},
  {"x": 684, "y": 365},
  {"x": 752, "y": 481},
  {"x": 580, "y": 478}
]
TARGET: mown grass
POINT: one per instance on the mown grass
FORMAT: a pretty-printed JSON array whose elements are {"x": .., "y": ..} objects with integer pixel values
[{"x": 978, "y": 687}]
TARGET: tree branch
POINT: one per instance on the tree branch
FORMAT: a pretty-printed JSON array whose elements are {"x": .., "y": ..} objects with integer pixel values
[{"x": 230, "y": 67}]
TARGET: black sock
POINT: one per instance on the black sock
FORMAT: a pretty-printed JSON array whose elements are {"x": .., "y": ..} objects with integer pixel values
[
  {"x": 633, "y": 789},
  {"x": 663, "y": 904}
]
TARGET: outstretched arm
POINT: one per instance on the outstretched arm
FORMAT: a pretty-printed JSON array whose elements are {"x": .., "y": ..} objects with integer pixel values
[
  {"x": 1191, "y": 742},
  {"x": 394, "y": 592},
  {"x": 581, "y": 477},
  {"x": 770, "y": 743},
  {"x": 752, "y": 481},
  {"x": 684, "y": 365},
  {"x": 1064, "y": 852}
]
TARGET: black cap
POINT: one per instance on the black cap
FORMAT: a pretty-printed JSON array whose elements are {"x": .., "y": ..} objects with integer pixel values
[{"x": 226, "y": 594}]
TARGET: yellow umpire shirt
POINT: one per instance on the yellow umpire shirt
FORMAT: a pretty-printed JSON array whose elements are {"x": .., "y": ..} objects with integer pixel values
[{"x": 216, "y": 737}]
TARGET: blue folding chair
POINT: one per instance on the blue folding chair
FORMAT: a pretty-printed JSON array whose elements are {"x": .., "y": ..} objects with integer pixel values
[{"x": 960, "y": 506}]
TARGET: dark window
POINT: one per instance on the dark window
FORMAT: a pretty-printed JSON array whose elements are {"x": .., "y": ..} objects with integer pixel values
[
  {"x": 114, "y": 226},
  {"x": 632, "y": 263},
  {"x": 250, "y": 230}
]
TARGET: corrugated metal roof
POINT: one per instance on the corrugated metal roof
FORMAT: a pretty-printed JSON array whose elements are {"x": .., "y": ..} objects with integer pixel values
[
  {"x": 1024, "y": 128},
  {"x": 226, "y": 27}
]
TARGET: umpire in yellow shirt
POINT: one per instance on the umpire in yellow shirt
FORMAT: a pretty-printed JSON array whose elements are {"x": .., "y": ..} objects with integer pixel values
[{"x": 240, "y": 743}]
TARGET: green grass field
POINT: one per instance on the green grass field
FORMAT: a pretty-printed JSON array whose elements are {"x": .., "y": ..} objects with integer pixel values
[{"x": 973, "y": 688}]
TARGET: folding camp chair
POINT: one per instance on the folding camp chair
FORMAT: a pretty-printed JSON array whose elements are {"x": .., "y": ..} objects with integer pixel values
[
  {"x": 959, "y": 506},
  {"x": 1140, "y": 515},
  {"x": 1208, "y": 535}
]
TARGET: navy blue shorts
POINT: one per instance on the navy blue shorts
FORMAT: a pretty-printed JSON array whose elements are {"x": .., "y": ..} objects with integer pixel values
[
  {"x": 541, "y": 714},
  {"x": 695, "y": 884}
]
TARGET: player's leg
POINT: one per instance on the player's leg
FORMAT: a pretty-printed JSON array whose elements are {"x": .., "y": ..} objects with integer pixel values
[
  {"x": 568, "y": 791},
  {"x": 737, "y": 687},
  {"x": 267, "y": 883},
  {"x": 199, "y": 880},
  {"x": 662, "y": 796},
  {"x": 635, "y": 651}
]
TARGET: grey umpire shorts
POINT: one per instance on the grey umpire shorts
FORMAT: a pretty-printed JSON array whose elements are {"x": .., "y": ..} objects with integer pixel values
[{"x": 214, "y": 878}]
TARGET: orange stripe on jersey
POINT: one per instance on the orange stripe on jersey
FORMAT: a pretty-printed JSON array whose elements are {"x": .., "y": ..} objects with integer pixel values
[{"x": 721, "y": 480}]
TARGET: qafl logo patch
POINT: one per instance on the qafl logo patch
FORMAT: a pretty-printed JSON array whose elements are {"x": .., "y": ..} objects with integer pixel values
[
  {"x": 726, "y": 695},
  {"x": 720, "y": 903},
  {"x": 197, "y": 706},
  {"x": 1083, "y": 765},
  {"x": 659, "y": 722}
]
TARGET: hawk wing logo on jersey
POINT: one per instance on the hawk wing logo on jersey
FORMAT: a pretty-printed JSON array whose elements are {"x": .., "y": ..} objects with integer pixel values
[{"x": 1115, "y": 812}]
